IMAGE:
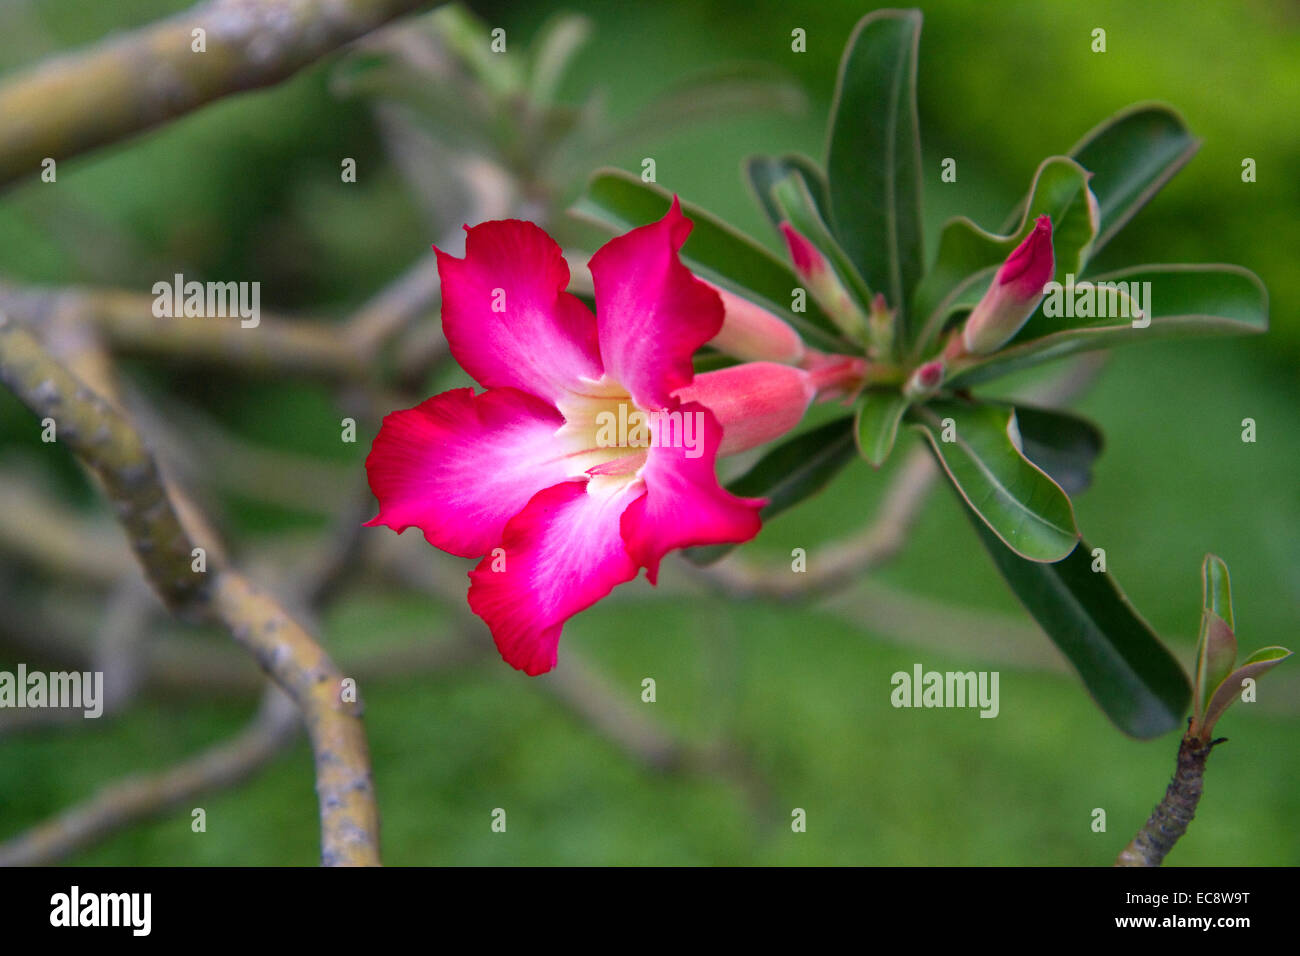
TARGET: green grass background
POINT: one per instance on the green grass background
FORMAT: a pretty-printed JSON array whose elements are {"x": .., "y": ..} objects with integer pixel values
[{"x": 248, "y": 189}]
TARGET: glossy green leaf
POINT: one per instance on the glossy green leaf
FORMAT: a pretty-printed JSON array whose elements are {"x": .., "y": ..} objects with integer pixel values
[
  {"x": 873, "y": 156},
  {"x": 1217, "y": 587},
  {"x": 619, "y": 201},
  {"x": 792, "y": 471},
  {"x": 798, "y": 467},
  {"x": 1028, "y": 511},
  {"x": 1129, "y": 673},
  {"x": 876, "y": 423},
  {"x": 1184, "y": 300},
  {"x": 1062, "y": 444},
  {"x": 1131, "y": 156},
  {"x": 968, "y": 255},
  {"x": 1259, "y": 663},
  {"x": 796, "y": 204},
  {"x": 1216, "y": 652},
  {"x": 1216, "y": 647},
  {"x": 762, "y": 173}
]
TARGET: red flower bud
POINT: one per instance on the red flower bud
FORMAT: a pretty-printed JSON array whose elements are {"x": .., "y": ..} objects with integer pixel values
[{"x": 1015, "y": 293}]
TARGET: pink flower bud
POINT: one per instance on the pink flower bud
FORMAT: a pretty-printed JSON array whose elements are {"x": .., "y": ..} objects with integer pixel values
[
  {"x": 755, "y": 402},
  {"x": 807, "y": 258},
  {"x": 824, "y": 284},
  {"x": 1016, "y": 291},
  {"x": 751, "y": 332},
  {"x": 925, "y": 380},
  {"x": 880, "y": 326}
]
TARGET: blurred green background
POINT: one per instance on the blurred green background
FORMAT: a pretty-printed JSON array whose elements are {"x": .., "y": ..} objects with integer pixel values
[{"x": 249, "y": 189}]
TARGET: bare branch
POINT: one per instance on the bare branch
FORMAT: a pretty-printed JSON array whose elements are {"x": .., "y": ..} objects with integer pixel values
[
  {"x": 107, "y": 442},
  {"x": 585, "y": 692},
  {"x": 278, "y": 345},
  {"x": 204, "y": 453},
  {"x": 411, "y": 296},
  {"x": 349, "y": 817},
  {"x": 1173, "y": 814},
  {"x": 143, "y": 797},
  {"x": 841, "y": 563},
  {"x": 73, "y": 103},
  {"x": 590, "y": 696},
  {"x": 54, "y": 538},
  {"x": 102, "y": 438}
]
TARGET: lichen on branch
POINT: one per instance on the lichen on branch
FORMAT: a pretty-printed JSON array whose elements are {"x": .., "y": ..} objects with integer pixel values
[{"x": 109, "y": 444}]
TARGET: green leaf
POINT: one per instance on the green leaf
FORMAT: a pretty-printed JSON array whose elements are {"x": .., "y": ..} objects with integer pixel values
[
  {"x": 798, "y": 467},
  {"x": 796, "y": 204},
  {"x": 619, "y": 201},
  {"x": 1062, "y": 444},
  {"x": 1216, "y": 646},
  {"x": 764, "y": 172},
  {"x": 1015, "y": 498},
  {"x": 1184, "y": 300},
  {"x": 873, "y": 157},
  {"x": 552, "y": 50},
  {"x": 792, "y": 471},
  {"x": 1216, "y": 652},
  {"x": 1132, "y": 676},
  {"x": 468, "y": 38},
  {"x": 1131, "y": 156},
  {"x": 968, "y": 255},
  {"x": 1262, "y": 661},
  {"x": 876, "y": 423},
  {"x": 1217, "y": 588}
]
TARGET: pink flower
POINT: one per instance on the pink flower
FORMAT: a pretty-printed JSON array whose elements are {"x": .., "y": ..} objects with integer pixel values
[
  {"x": 1015, "y": 293},
  {"x": 590, "y": 454}
]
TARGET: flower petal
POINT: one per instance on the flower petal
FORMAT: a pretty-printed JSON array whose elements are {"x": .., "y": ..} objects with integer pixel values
[
  {"x": 754, "y": 402},
  {"x": 458, "y": 466},
  {"x": 653, "y": 313},
  {"x": 562, "y": 554},
  {"x": 506, "y": 315},
  {"x": 684, "y": 505}
]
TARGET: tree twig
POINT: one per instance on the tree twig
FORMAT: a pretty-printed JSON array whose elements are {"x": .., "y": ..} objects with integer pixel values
[
  {"x": 1169, "y": 820},
  {"x": 412, "y": 295},
  {"x": 56, "y": 539},
  {"x": 840, "y": 563},
  {"x": 74, "y": 103},
  {"x": 277, "y": 345},
  {"x": 348, "y": 813},
  {"x": 150, "y": 795},
  {"x": 107, "y": 442}
]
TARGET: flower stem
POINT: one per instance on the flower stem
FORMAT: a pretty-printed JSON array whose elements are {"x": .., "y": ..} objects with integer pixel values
[
  {"x": 1169, "y": 820},
  {"x": 839, "y": 375}
]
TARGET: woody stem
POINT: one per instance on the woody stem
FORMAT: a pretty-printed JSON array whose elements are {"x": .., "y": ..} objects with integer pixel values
[{"x": 1169, "y": 820}]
